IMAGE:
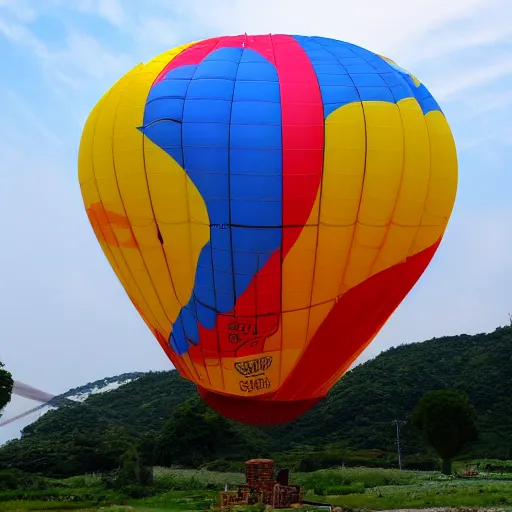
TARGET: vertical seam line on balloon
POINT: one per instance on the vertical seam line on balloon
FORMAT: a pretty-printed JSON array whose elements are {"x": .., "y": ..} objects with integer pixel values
[
  {"x": 281, "y": 254},
  {"x": 155, "y": 220},
  {"x": 233, "y": 280},
  {"x": 362, "y": 185},
  {"x": 153, "y": 210},
  {"x": 94, "y": 135},
  {"x": 397, "y": 198},
  {"x": 192, "y": 298},
  {"x": 154, "y": 216},
  {"x": 428, "y": 184},
  {"x": 319, "y": 194},
  {"x": 304, "y": 53},
  {"x": 364, "y": 168},
  {"x": 188, "y": 370},
  {"x": 114, "y": 168},
  {"x": 216, "y": 325},
  {"x": 151, "y": 280},
  {"x": 429, "y": 181},
  {"x": 320, "y": 189},
  {"x": 193, "y": 295},
  {"x": 193, "y": 368},
  {"x": 232, "y": 257},
  {"x": 429, "y": 166}
]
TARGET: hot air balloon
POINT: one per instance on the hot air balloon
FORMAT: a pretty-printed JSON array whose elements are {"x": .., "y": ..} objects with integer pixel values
[{"x": 267, "y": 202}]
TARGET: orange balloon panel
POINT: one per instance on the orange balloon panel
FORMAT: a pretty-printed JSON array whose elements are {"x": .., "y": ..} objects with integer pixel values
[{"x": 267, "y": 202}]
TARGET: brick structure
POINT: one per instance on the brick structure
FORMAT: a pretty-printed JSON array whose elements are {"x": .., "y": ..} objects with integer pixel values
[{"x": 261, "y": 486}]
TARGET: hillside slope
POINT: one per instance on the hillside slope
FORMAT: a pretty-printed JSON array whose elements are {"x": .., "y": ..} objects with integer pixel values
[
  {"x": 360, "y": 409},
  {"x": 358, "y": 414}
]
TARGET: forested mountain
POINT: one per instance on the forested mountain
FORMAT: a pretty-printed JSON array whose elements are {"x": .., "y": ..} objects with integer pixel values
[{"x": 160, "y": 413}]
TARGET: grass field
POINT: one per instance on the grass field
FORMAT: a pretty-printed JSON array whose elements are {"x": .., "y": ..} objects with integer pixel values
[{"x": 194, "y": 490}]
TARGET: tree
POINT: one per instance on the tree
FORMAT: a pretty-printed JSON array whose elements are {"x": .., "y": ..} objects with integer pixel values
[
  {"x": 447, "y": 420},
  {"x": 132, "y": 471},
  {"x": 194, "y": 434},
  {"x": 6, "y": 384}
]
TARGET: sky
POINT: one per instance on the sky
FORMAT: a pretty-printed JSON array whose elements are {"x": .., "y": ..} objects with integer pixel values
[{"x": 65, "y": 320}]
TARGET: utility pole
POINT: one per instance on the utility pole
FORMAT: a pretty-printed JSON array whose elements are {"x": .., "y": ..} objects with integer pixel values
[{"x": 398, "y": 443}]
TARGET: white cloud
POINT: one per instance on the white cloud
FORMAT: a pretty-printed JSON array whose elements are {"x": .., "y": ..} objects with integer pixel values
[
  {"x": 112, "y": 10},
  {"x": 87, "y": 56},
  {"x": 474, "y": 142},
  {"x": 468, "y": 39},
  {"x": 488, "y": 101},
  {"x": 26, "y": 116},
  {"x": 19, "y": 34},
  {"x": 475, "y": 77},
  {"x": 19, "y": 9},
  {"x": 380, "y": 26}
]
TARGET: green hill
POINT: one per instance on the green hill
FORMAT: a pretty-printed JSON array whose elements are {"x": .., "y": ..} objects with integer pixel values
[{"x": 354, "y": 424}]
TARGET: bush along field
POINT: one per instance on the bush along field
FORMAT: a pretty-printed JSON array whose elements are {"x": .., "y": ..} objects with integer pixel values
[{"x": 194, "y": 490}]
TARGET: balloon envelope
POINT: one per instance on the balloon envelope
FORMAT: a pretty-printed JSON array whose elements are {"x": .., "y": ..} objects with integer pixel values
[{"x": 267, "y": 202}]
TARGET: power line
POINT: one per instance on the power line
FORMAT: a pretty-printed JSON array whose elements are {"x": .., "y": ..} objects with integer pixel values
[{"x": 398, "y": 447}]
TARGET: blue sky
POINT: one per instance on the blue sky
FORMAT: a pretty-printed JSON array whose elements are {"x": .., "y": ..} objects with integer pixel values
[{"x": 65, "y": 318}]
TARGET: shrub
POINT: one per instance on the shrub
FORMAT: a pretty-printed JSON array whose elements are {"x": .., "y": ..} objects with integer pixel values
[
  {"x": 169, "y": 482},
  {"x": 421, "y": 464},
  {"x": 328, "y": 459},
  {"x": 13, "y": 479},
  {"x": 342, "y": 490},
  {"x": 137, "y": 491},
  {"x": 224, "y": 466},
  {"x": 321, "y": 481}
]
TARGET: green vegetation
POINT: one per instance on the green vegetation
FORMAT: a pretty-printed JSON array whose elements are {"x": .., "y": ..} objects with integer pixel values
[
  {"x": 6, "y": 384},
  {"x": 160, "y": 415},
  {"x": 195, "y": 433},
  {"x": 447, "y": 421},
  {"x": 187, "y": 490},
  {"x": 152, "y": 445},
  {"x": 389, "y": 489}
]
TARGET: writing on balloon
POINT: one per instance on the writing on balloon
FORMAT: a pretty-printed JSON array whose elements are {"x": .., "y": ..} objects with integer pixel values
[
  {"x": 254, "y": 367},
  {"x": 250, "y": 385}
]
